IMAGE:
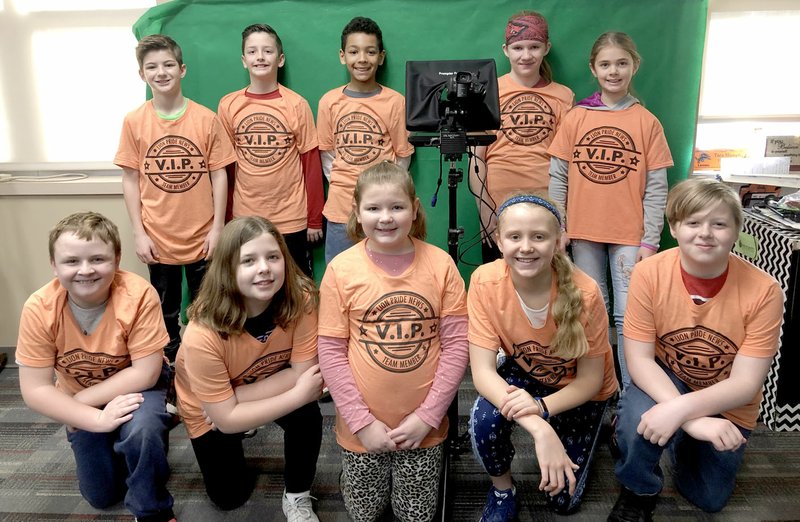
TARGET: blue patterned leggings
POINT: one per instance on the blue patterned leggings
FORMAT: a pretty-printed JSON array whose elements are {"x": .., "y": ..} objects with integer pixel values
[{"x": 577, "y": 428}]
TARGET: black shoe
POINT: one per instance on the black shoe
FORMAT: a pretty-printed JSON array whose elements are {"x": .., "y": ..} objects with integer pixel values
[{"x": 631, "y": 507}]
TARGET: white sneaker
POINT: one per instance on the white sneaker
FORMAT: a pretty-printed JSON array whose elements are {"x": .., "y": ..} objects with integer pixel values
[{"x": 299, "y": 510}]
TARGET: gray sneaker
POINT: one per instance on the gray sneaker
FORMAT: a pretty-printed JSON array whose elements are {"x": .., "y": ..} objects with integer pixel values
[{"x": 299, "y": 510}]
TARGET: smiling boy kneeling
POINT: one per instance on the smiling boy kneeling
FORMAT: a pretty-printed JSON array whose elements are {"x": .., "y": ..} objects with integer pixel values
[
  {"x": 701, "y": 329},
  {"x": 99, "y": 331}
]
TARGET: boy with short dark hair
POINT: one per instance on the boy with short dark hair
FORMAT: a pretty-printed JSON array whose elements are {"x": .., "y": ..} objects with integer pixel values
[
  {"x": 278, "y": 173},
  {"x": 701, "y": 329},
  {"x": 173, "y": 154},
  {"x": 98, "y": 330},
  {"x": 359, "y": 125}
]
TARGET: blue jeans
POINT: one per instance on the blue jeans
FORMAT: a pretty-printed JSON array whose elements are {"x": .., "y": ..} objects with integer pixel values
[
  {"x": 705, "y": 476},
  {"x": 578, "y": 429},
  {"x": 131, "y": 461},
  {"x": 593, "y": 258},
  {"x": 336, "y": 240}
]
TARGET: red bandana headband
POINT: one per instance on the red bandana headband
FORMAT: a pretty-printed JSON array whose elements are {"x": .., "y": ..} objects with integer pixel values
[{"x": 526, "y": 28}]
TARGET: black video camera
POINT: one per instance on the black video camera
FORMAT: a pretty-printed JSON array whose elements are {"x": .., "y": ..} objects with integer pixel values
[{"x": 464, "y": 85}]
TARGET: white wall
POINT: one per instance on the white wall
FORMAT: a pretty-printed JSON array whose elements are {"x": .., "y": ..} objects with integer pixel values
[{"x": 68, "y": 76}]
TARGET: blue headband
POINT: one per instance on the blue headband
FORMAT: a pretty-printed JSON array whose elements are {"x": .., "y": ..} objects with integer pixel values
[{"x": 536, "y": 200}]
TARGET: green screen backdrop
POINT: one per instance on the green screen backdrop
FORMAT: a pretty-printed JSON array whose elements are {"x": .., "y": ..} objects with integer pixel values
[{"x": 669, "y": 34}]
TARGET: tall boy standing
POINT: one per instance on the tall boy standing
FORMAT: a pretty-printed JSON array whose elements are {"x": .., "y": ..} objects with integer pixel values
[
  {"x": 99, "y": 330},
  {"x": 173, "y": 153},
  {"x": 701, "y": 329},
  {"x": 278, "y": 172},
  {"x": 359, "y": 125}
]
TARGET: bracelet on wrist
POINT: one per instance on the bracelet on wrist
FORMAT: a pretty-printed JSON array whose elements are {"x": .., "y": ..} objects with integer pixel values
[
  {"x": 542, "y": 408},
  {"x": 538, "y": 405}
]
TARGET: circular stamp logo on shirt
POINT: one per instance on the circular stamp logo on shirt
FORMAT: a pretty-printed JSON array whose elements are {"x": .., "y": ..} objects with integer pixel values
[
  {"x": 397, "y": 331},
  {"x": 174, "y": 164},
  {"x": 606, "y": 155},
  {"x": 538, "y": 361},
  {"x": 262, "y": 139},
  {"x": 359, "y": 138},
  {"x": 263, "y": 367},
  {"x": 527, "y": 119},
  {"x": 699, "y": 356},
  {"x": 89, "y": 368}
]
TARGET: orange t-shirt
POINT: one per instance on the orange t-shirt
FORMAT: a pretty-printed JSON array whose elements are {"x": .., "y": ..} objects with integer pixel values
[
  {"x": 392, "y": 327},
  {"x": 609, "y": 155},
  {"x": 497, "y": 320},
  {"x": 269, "y": 136},
  {"x": 131, "y": 328},
  {"x": 363, "y": 132},
  {"x": 208, "y": 368},
  {"x": 700, "y": 342},
  {"x": 174, "y": 158},
  {"x": 529, "y": 118}
]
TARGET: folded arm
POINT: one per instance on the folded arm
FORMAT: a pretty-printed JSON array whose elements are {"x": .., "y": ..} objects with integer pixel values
[
  {"x": 141, "y": 375},
  {"x": 232, "y": 416},
  {"x": 41, "y": 395},
  {"x": 273, "y": 385},
  {"x": 557, "y": 470},
  {"x": 693, "y": 411}
]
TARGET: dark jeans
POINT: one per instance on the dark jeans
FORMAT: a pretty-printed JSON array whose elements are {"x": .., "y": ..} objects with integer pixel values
[
  {"x": 297, "y": 242},
  {"x": 130, "y": 462},
  {"x": 229, "y": 482},
  {"x": 578, "y": 429},
  {"x": 168, "y": 282},
  {"x": 705, "y": 476}
]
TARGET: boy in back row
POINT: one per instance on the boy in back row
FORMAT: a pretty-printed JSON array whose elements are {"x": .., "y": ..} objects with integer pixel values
[
  {"x": 98, "y": 330},
  {"x": 278, "y": 172},
  {"x": 359, "y": 125},
  {"x": 173, "y": 153}
]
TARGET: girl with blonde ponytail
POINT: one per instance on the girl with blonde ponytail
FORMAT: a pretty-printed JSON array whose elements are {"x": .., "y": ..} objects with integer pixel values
[{"x": 556, "y": 373}]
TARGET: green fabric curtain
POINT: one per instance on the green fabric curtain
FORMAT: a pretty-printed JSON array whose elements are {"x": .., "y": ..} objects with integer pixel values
[{"x": 669, "y": 34}]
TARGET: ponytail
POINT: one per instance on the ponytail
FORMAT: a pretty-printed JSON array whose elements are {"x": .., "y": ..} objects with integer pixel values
[{"x": 570, "y": 339}]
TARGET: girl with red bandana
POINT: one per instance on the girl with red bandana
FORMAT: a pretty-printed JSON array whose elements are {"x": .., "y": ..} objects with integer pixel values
[{"x": 531, "y": 108}]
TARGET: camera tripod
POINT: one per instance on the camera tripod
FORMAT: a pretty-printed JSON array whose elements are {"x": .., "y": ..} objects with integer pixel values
[{"x": 452, "y": 142}]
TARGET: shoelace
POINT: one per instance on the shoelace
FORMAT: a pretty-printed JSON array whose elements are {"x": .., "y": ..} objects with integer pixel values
[
  {"x": 303, "y": 505},
  {"x": 501, "y": 496}
]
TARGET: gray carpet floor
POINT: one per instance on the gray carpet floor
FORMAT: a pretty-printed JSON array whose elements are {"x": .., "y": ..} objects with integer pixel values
[{"x": 37, "y": 480}]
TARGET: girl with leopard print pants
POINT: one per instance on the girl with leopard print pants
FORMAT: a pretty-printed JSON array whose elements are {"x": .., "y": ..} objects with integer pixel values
[{"x": 392, "y": 350}]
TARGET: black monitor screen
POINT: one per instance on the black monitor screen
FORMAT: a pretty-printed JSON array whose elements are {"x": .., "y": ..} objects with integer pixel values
[{"x": 467, "y": 87}]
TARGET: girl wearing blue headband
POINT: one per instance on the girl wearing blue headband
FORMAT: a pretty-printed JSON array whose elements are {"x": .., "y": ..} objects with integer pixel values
[{"x": 556, "y": 374}]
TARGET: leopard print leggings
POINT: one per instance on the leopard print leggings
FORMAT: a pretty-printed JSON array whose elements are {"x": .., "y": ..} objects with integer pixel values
[{"x": 409, "y": 478}]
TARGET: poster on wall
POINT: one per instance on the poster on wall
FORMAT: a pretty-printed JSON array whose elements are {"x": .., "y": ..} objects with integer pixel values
[{"x": 787, "y": 146}]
